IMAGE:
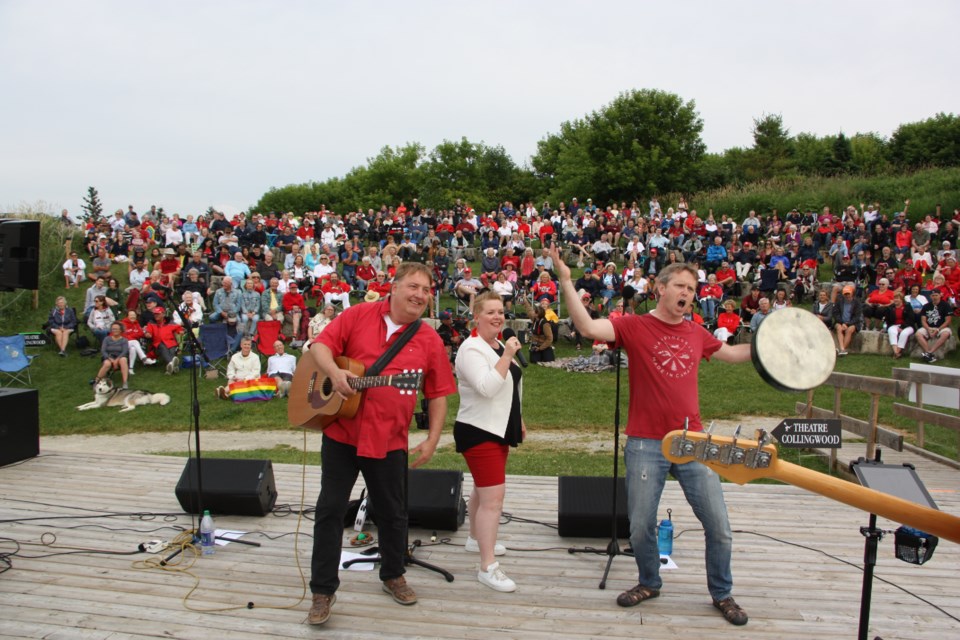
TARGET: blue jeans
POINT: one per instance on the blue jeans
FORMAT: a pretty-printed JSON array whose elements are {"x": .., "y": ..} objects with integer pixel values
[{"x": 646, "y": 474}]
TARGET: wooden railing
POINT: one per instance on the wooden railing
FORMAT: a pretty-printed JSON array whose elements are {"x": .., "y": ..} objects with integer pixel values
[
  {"x": 926, "y": 416},
  {"x": 898, "y": 387}
]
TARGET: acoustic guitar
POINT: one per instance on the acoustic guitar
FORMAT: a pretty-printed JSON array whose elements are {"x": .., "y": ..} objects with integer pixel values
[
  {"x": 313, "y": 403},
  {"x": 741, "y": 461}
]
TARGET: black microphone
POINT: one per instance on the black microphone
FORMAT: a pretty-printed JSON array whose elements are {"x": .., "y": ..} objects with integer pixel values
[{"x": 510, "y": 333}]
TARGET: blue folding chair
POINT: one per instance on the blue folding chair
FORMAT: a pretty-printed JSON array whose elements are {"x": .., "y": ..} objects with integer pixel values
[
  {"x": 216, "y": 344},
  {"x": 14, "y": 361}
]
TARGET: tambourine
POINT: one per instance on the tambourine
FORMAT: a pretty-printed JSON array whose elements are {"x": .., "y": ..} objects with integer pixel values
[{"x": 793, "y": 350}]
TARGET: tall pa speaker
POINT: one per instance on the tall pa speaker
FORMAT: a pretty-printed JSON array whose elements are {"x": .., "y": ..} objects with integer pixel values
[
  {"x": 19, "y": 425},
  {"x": 19, "y": 254},
  {"x": 435, "y": 499},
  {"x": 230, "y": 487},
  {"x": 584, "y": 507}
]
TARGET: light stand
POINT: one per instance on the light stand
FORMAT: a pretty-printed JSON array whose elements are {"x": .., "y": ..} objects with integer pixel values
[
  {"x": 900, "y": 481},
  {"x": 613, "y": 547}
]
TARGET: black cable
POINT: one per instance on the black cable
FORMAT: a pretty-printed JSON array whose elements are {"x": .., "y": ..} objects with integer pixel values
[
  {"x": 506, "y": 518},
  {"x": 838, "y": 559}
]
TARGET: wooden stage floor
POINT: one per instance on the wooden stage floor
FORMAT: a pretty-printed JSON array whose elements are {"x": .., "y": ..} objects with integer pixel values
[{"x": 789, "y": 592}]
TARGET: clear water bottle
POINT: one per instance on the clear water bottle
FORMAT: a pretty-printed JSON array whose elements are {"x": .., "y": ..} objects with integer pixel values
[
  {"x": 207, "y": 544},
  {"x": 665, "y": 535}
]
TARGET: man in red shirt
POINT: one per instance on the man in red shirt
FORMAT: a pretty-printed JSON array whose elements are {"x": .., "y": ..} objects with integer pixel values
[
  {"x": 664, "y": 351},
  {"x": 295, "y": 311},
  {"x": 374, "y": 442}
]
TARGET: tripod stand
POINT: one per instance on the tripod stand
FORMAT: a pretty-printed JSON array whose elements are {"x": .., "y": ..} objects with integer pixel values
[
  {"x": 613, "y": 547},
  {"x": 408, "y": 558}
]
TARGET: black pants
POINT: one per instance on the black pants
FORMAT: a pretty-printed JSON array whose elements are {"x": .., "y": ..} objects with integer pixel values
[{"x": 385, "y": 487}]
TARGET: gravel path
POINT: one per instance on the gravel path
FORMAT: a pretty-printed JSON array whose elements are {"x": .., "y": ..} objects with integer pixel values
[{"x": 151, "y": 442}]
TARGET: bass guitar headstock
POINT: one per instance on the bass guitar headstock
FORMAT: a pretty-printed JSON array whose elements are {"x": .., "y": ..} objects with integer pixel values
[{"x": 736, "y": 459}]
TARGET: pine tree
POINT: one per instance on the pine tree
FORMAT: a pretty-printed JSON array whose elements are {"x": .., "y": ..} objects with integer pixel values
[{"x": 92, "y": 207}]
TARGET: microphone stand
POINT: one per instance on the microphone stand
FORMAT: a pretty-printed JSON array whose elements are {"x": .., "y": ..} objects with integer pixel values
[
  {"x": 195, "y": 348},
  {"x": 613, "y": 547}
]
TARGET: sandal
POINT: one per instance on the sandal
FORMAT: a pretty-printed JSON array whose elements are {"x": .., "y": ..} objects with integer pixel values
[
  {"x": 731, "y": 611},
  {"x": 636, "y": 595}
]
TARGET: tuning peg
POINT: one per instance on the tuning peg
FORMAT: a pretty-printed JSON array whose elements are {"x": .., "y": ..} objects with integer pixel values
[
  {"x": 709, "y": 428},
  {"x": 764, "y": 439},
  {"x": 736, "y": 434}
]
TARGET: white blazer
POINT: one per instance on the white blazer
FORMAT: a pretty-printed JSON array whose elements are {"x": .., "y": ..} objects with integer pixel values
[{"x": 485, "y": 396}]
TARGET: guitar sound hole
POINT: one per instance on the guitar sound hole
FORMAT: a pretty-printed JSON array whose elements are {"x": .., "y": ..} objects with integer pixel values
[{"x": 327, "y": 387}]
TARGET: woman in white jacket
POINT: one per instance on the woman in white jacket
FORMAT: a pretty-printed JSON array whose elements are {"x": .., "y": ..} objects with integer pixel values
[{"x": 488, "y": 423}]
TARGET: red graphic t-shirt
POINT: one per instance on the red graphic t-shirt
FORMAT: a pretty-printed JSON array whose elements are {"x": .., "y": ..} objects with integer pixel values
[{"x": 663, "y": 362}]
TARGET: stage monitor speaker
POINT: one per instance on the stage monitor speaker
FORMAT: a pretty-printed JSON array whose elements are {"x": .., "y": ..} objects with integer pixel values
[
  {"x": 19, "y": 425},
  {"x": 584, "y": 507},
  {"x": 19, "y": 254},
  {"x": 230, "y": 487},
  {"x": 435, "y": 499}
]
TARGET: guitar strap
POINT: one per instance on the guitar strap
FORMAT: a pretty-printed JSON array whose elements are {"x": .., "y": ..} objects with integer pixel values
[{"x": 394, "y": 349}]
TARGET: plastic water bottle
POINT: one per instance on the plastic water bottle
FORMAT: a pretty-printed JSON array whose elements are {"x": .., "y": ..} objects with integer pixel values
[
  {"x": 207, "y": 545},
  {"x": 665, "y": 535}
]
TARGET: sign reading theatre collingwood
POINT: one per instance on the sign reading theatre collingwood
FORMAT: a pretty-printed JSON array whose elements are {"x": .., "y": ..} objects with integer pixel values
[{"x": 812, "y": 434}]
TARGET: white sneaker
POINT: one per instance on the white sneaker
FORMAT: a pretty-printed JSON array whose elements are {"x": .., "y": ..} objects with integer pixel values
[
  {"x": 496, "y": 579},
  {"x": 473, "y": 547},
  {"x": 149, "y": 361}
]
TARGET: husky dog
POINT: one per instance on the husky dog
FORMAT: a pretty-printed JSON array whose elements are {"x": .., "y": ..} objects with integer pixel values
[{"x": 105, "y": 395}]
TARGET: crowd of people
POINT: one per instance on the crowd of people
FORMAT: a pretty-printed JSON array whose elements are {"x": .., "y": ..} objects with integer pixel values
[{"x": 328, "y": 279}]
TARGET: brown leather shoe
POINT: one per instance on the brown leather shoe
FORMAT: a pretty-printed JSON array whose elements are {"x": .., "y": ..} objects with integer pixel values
[
  {"x": 400, "y": 591},
  {"x": 320, "y": 611},
  {"x": 731, "y": 611}
]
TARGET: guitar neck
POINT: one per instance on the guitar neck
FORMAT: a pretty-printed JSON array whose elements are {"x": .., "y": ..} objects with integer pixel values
[
  {"x": 938, "y": 523},
  {"x": 368, "y": 382}
]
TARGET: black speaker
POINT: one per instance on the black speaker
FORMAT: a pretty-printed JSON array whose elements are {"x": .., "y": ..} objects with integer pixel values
[
  {"x": 435, "y": 499},
  {"x": 19, "y": 254},
  {"x": 230, "y": 487},
  {"x": 19, "y": 425},
  {"x": 584, "y": 507}
]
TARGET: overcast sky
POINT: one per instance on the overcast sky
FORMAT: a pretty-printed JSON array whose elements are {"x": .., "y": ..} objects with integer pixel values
[{"x": 192, "y": 104}]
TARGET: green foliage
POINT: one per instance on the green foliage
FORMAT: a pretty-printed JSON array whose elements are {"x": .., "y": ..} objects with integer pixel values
[
  {"x": 772, "y": 153},
  {"x": 644, "y": 141},
  {"x": 479, "y": 175},
  {"x": 935, "y": 141},
  {"x": 92, "y": 208},
  {"x": 926, "y": 189}
]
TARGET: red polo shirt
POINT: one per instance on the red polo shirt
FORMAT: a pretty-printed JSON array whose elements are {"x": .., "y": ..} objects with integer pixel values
[{"x": 383, "y": 420}]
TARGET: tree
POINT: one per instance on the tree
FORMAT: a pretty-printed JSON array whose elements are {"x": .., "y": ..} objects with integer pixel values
[
  {"x": 841, "y": 156},
  {"x": 812, "y": 155},
  {"x": 772, "y": 153},
  {"x": 93, "y": 209},
  {"x": 935, "y": 141},
  {"x": 870, "y": 153},
  {"x": 643, "y": 142}
]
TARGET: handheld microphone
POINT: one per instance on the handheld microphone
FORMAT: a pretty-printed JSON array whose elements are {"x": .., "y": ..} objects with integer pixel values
[{"x": 510, "y": 333}]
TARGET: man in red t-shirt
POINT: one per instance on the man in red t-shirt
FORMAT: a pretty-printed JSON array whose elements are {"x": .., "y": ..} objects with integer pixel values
[
  {"x": 664, "y": 351},
  {"x": 374, "y": 441}
]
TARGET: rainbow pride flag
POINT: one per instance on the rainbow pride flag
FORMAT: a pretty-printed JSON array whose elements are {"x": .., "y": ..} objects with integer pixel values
[{"x": 262, "y": 388}]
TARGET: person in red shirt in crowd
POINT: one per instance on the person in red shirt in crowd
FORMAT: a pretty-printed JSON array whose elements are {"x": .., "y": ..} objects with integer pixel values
[
  {"x": 306, "y": 232},
  {"x": 939, "y": 283},
  {"x": 523, "y": 228},
  {"x": 726, "y": 277},
  {"x": 875, "y": 309},
  {"x": 365, "y": 273},
  {"x": 903, "y": 240},
  {"x": 544, "y": 287},
  {"x": 750, "y": 304},
  {"x": 133, "y": 332},
  {"x": 728, "y": 322},
  {"x": 908, "y": 276},
  {"x": 509, "y": 257},
  {"x": 336, "y": 290},
  {"x": 375, "y": 441},
  {"x": 710, "y": 296},
  {"x": 170, "y": 266},
  {"x": 295, "y": 311},
  {"x": 163, "y": 336},
  {"x": 380, "y": 284}
]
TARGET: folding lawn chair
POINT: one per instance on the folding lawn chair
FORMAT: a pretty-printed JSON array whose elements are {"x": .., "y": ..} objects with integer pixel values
[
  {"x": 216, "y": 344},
  {"x": 14, "y": 361},
  {"x": 268, "y": 331}
]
